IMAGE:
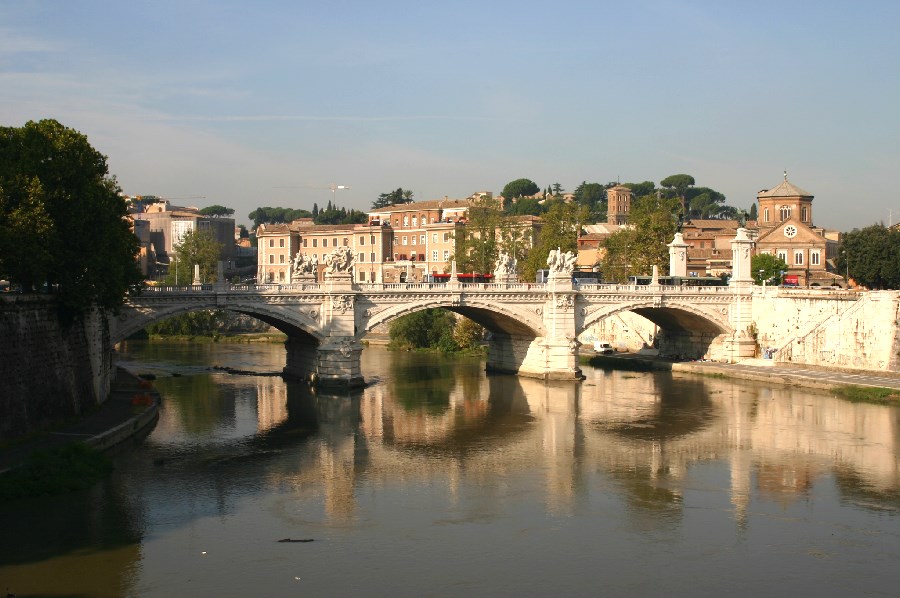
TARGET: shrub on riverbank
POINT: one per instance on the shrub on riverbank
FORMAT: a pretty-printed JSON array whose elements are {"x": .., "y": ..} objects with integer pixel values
[
  {"x": 437, "y": 330},
  {"x": 59, "y": 471},
  {"x": 867, "y": 394}
]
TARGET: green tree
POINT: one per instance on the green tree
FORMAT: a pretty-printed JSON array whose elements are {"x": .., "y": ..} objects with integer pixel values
[
  {"x": 525, "y": 206},
  {"x": 562, "y": 225},
  {"x": 467, "y": 334},
  {"x": 753, "y": 215},
  {"x": 871, "y": 257},
  {"x": 270, "y": 215},
  {"x": 557, "y": 189},
  {"x": 520, "y": 188},
  {"x": 53, "y": 181},
  {"x": 428, "y": 328},
  {"x": 477, "y": 246},
  {"x": 593, "y": 197},
  {"x": 679, "y": 183},
  {"x": 195, "y": 247},
  {"x": 644, "y": 244},
  {"x": 638, "y": 189},
  {"x": 216, "y": 211},
  {"x": 767, "y": 267},
  {"x": 704, "y": 203},
  {"x": 397, "y": 196}
]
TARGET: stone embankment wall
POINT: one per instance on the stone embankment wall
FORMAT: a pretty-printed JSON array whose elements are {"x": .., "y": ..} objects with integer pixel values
[
  {"x": 50, "y": 372},
  {"x": 817, "y": 328}
]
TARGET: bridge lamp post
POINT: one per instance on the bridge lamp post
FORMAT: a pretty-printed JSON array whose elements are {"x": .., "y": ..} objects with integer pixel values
[{"x": 761, "y": 274}]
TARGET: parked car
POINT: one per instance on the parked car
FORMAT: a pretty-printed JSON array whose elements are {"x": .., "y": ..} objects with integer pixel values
[{"x": 603, "y": 347}]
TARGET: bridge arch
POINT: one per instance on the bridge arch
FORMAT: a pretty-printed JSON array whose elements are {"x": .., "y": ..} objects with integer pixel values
[
  {"x": 685, "y": 328},
  {"x": 141, "y": 312},
  {"x": 495, "y": 317}
]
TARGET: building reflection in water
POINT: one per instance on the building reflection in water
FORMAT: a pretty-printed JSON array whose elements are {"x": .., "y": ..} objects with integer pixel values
[{"x": 642, "y": 432}]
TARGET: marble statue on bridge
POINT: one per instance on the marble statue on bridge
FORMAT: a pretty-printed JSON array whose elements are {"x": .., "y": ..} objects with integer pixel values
[
  {"x": 505, "y": 267},
  {"x": 305, "y": 266},
  {"x": 339, "y": 261},
  {"x": 561, "y": 263}
]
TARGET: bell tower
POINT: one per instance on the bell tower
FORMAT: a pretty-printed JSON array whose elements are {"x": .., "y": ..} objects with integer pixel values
[
  {"x": 784, "y": 202},
  {"x": 618, "y": 204}
]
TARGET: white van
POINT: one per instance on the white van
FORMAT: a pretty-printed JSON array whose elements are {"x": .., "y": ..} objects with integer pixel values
[{"x": 603, "y": 347}]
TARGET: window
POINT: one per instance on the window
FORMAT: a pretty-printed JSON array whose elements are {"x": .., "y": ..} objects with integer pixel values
[
  {"x": 362, "y": 276},
  {"x": 281, "y": 242},
  {"x": 415, "y": 221},
  {"x": 372, "y": 276},
  {"x": 314, "y": 242},
  {"x": 372, "y": 257},
  {"x": 281, "y": 259},
  {"x": 372, "y": 239},
  {"x": 782, "y": 255},
  {"x": 404, "y": 239},
  {"x": 766, "y": 215},
  {"x": 434, "y": 255},
  {"x": 271, "y": 242},
  {"x": 434, "y": 237},
  {"x": 362, "y": 239},
  {"x": 814, "y": 258},
  {"x": 324, "y": 242},
  {"x": 271, "y": 259},
  {"x": 346, "y": 242},
  {"x": 446, "y": 237},
  {"x": 446, "y": 254},
  {"x": 281, "y": 276},
  {"x": 362, "y": 256},
  {"x": 798, "y": 257},
  {"x": 422, "y": 239},
  {"x": 785, "y": 212},
  {"x": 804, "y": 214},
  {"x": 406, "y": 221},
  {"x": 304, "y": 242},
  {"x": 396, "y": 222}
]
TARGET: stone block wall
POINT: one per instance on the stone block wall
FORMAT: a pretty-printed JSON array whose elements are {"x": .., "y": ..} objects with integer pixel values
[
  {"x": 859, "y": 332},
  {"x": 49, "y": 372}
]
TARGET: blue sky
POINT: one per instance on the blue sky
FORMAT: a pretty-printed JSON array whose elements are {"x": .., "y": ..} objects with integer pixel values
[{"x": 269, "y": 103}]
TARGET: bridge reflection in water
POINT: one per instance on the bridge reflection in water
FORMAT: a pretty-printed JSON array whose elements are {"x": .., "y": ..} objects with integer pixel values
[{"x": 458, "y": 478}]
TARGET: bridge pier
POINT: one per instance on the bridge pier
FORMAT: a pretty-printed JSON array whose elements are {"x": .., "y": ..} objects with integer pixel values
[{"x": 547, "y": 359}]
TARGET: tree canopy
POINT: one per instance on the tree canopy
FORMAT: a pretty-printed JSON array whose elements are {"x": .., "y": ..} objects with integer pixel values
[
  {"x": 520, "y": 188},
  {"x": 767, "y": 267},
  {"x": 269, "y": 215},
  {"x": 593, "y": 197},
  {"x": 216, "y": 211},
  {"x": 62, "y": 220},
  {"x": 560, "y": 230},
  {"x": 871, "y": 256},
  {"x": 397, "y": 196},
  {"x": 679, "y": 183},
  {"x": 194, "y": 248}
]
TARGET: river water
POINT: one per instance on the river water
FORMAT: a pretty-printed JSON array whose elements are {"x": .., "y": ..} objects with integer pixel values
[{"x": 438, "y": 480}]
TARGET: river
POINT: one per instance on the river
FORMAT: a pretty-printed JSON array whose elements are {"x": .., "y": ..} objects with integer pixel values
[{"x": 438, "y": 480}]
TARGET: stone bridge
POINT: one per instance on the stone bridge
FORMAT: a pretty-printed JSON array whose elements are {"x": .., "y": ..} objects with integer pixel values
[{"x": 534, "y": 327}]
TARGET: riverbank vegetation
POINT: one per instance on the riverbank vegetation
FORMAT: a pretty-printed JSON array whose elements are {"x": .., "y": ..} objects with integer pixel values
[
  {"x": 48, "y": 473},
  {"x": 867, "y": 394},
  {"x": 435, "y": 330}
]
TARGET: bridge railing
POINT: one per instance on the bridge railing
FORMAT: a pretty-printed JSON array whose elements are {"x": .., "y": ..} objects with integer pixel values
[
  {"x": 649, "y": 289},
  {"x": 447, "y": 286},
  {"x": 418, "y": 287}
]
